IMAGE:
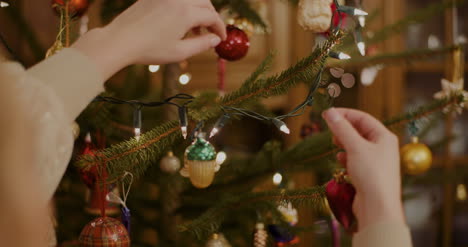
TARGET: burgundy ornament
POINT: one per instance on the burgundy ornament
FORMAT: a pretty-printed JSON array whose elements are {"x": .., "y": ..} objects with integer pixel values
[
  {"x": 340, "y": 195},
  {"x": 235, "y": 46},
  {"x": 77, "y": 8}
]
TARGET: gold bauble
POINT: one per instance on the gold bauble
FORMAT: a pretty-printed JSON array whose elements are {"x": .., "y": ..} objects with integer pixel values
[
  {"x": 56, "y": 47},
  {"x": 416, "y": 158}
]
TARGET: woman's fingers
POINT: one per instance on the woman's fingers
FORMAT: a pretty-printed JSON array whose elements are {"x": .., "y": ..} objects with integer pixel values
[
  {"x": 196, "y": 44},
  {"x": 342, "y": 158},
  {"x": 343, "y": 130},
  {"x": 210, "y": 19},
  {"x": 367, "y": 126}
]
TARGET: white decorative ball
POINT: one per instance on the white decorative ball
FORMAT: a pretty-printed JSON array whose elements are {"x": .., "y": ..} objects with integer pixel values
[{"x": 170, "y": 163}]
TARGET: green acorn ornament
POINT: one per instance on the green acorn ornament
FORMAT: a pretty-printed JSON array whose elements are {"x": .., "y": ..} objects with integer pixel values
[{"x": 200, "y": 163}]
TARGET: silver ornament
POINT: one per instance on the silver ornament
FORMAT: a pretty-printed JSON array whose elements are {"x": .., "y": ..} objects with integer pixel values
[{"x": 170, "y": 163}]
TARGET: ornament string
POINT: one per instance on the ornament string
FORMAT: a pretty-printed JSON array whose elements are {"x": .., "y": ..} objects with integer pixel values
[
  {"x": 221, "y": 76},
  {"x": 114, "y": 198}
]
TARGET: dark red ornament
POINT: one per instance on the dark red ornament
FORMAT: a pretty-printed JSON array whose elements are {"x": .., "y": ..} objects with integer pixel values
[
  {"x": 235, "y": 46},
  {"x": 104, "y": 232},
  {"x": 340, "y": 195},
  {"x": 77, "y": 8}
]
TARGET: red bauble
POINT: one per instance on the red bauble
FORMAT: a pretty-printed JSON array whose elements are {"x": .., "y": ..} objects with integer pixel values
[
  {"x": 235, "y": 46},
  {"x": 77, "y": 8},
  {"x": 340, "y": 195},
  {"x": 104, "y": 232}
]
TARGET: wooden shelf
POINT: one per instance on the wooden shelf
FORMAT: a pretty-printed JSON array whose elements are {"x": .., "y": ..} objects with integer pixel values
[{"x": 428, "y": 67}]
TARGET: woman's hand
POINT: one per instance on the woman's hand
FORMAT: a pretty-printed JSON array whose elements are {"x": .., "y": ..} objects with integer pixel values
[
  {"x": 152, "y": 32},
  {"x": 372, "y": 161}
]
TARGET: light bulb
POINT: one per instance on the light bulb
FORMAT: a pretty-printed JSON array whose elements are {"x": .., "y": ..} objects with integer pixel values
[
  {"x": 362, "y": 47},
  {"x": 343, "y": 56},
  {"x": 4, "y": 4},
  {"x": 277, "y": 178},
  {"x": 185, "y": 78},
  {"x": 214, "y": 131},
  {"x": 360, "y": 12},
  {"x": 362, "y": 21},
  {"x": 154, "y": 68},
  {"x": 221, "y": 157},
  {"x": 137, "y": 133},
  {"x": 184, "y": 131},
  {"x": 285, "y": 129}
]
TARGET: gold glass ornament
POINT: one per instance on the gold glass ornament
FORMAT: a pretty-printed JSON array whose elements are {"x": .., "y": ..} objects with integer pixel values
[
  {"x": 170, "y": 163},
  {"x": 416, "y": 158},
  {"x": 218, "y": 240}
]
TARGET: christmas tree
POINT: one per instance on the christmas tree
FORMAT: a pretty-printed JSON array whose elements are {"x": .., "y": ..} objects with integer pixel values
[{"x": 175, "y": 165}]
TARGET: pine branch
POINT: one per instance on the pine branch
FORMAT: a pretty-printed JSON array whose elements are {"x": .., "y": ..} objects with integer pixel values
[
  {"x": 394, "y": 58},
  {"x": 210, "y": 221},
  {"x": 136, "y": 156}
]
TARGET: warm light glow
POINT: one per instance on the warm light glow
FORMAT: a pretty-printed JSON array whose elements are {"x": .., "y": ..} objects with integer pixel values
[
  {"x": 213, "y": 132},
  {"x": 433, "y": 42},
  {"x": 184, "y": 131},
  {"x": 362, "y": 21},
  {"x": 360, "y": 12},
  {"x": 285, "y": 129},
  {"x": 343, "y": 56},
  {"x": 277, "y": 178},
  {"x": 154, "y": 68},
  {"x": 362, "y": 48},
  {"x": 185, "y": 78},
  {"x": 369, "y": 74},
  {"x": 221, "y": 157},
  {"x": 137, "y": 133},
  {"x": 4, "y": 4},
  {"x": 461, "y": 192}
]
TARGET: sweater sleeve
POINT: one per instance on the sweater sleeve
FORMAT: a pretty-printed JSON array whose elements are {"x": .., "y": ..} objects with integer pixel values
[
  {"x": 47, "y": 99},
  {"x": 73, "y": 77},
  {"x": 383, "y": 234}
]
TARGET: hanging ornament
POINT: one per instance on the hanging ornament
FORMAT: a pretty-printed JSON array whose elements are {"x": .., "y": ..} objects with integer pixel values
[
  {"x": 314, "y": 15},
  {"x": 218, "y": 240},
  {"x": 281, "y": 234},
  {"x": 416, "y": 158},
  {"x": 340, "y": 196},
  {"x": 115, "y": 198},
  {"x": 200, "y": 163},
  {"x": 104, "y": 232},
  {"x": 88, "y": 176},
  {"x": 260, "y": 236},
  {"x": 170, "y": 163},
  {"x": 77, "y": 8},
  {"x": 56, "y": 47},
  {"x": 235, "y": 46},
  {"x": 453, "y": 88}
]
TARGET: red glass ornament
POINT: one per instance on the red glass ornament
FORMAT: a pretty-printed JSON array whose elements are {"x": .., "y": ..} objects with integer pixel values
[
  {"x": 77, "y": 8},
  {"x": 104, "y": 232},
  {"x": 340, "y": 195},
  {"x": 235, "y": 46}
]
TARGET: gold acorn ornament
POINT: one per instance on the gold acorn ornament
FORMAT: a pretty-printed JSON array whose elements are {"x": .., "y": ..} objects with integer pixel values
[
  {"x": 170, "y": 163},
  {"x": 416, "y": 157},
  {"x": 260, "y": 235},
  {"x": 200, "y": 163}
]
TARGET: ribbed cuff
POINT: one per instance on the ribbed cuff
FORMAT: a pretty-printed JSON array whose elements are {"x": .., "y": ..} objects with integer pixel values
[
  {"x": 74, "y": 78},
  {"x": 383, "y": 234}
]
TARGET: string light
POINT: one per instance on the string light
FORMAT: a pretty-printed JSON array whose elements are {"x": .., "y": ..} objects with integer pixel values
[
  {"x": 362, "y": 21},
  {"x": 154, "y": 68},
  {"x": 137, "y": 123},
  {"x": 221, "y": 157},
  {"x": 277, "y": 178},
  {"x": 281, "y": 125},
  {"x": 4, "y": 4},
  {"x": 339, "y": 55},
  {"x": 183, "y": 121},
  {"x": 219, "y": 125},
  {"x": 362, "y": 48},
  {"x": 185, "y": 78},
  {"x": 352, "y": 11}
]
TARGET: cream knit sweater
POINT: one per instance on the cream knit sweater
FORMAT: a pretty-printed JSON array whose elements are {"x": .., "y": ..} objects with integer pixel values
[{"x": 55, "y": 91}]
